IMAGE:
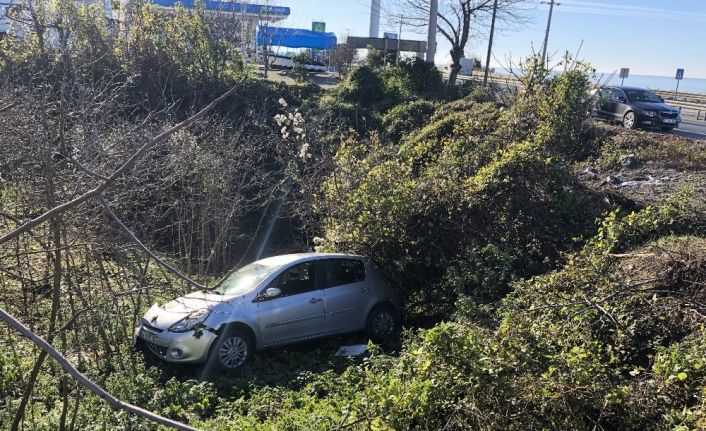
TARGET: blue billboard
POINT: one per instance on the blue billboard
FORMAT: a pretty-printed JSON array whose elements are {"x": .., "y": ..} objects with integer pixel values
[{"x": 230, "y": 6}]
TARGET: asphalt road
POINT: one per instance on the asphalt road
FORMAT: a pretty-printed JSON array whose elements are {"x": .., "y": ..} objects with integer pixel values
[{"x": 691, "y": 130}]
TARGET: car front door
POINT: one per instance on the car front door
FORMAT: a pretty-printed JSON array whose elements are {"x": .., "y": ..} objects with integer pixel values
[
  {"x": 345, "y": 294},
  {"x": 298, "y": 312}
]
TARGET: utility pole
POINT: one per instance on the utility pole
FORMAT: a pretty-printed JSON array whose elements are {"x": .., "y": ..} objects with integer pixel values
[
  {"x": 399, "y": 40},
  {"x": 490, "y": 43},
  {"x": 431, "y": 35},
  {"x": 551, "y": 4}
]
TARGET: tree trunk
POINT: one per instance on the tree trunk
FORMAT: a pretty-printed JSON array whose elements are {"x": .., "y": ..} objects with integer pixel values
[{"x": 456, "y": 56}]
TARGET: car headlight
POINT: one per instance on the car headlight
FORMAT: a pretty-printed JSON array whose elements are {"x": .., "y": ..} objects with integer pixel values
[
  {"x": 189, "y": 322},
  {"x": 650, "y": 113}
]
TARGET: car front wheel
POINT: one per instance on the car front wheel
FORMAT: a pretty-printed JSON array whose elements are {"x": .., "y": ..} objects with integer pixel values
[
  {"x": 382, "y": 324},
  {"x": 233, "y": 348},
  {"x": 629, "y": 121}
]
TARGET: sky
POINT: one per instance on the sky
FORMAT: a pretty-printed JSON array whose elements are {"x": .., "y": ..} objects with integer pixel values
[{"x": 651, "y": 37}]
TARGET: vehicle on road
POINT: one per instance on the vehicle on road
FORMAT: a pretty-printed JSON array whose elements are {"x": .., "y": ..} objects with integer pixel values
[
  {"x": 634, "y": 107},
  {"x": 272, "y": 302}
]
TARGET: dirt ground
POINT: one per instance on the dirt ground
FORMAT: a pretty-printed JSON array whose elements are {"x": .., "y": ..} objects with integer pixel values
[
  {"x": 645, "y": 168},
  {"x": 323, "y": 79},
  {"x": 647, "y": 184}
]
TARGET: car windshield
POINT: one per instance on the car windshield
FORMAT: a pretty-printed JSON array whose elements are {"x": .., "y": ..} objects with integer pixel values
[
  {"x": 642, "y": 96},
  {"x": 245, "y": 279}
]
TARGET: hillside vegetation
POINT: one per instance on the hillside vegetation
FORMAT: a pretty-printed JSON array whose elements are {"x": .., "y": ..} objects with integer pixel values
[{"x": 554, "y": 270}]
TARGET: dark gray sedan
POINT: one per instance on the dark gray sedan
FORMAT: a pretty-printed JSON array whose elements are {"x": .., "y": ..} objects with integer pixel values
[{"x": 634, "y": 107}]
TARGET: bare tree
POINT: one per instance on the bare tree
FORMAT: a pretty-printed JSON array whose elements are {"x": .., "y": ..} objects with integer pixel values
[
  {"x": 459, "y": 20},
  {"x": 89, "y": 159},
  {"x": 342, "y": 57}
]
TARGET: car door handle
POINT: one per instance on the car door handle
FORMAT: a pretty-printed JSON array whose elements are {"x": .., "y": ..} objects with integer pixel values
[
  {"x": 315, "y": 300},
  {"x": 364, "y": 289}
]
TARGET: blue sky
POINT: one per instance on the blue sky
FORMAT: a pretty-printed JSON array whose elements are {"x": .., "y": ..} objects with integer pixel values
[{"x": 651, "y": 37}]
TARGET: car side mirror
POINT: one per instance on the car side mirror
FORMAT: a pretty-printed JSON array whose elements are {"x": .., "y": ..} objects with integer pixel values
[
  {"x": 273, "y": 292},
  {"x": 661, "y": 98},
  {"x": 621, "y": 99}
]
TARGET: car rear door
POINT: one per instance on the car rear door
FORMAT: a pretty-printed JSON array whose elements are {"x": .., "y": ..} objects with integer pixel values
[
  {"x": 295, "y": 314},
  {"x": 345, "y": 294},
  {"x": 618, "y": 104},
  {"x": 604, "y": 96}
]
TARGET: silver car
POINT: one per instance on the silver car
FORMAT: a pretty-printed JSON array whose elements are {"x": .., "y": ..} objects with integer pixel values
[{"x": 274, "y": 301}]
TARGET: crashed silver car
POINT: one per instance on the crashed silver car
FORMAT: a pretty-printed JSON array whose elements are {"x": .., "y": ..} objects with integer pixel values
[{"x": 272, "y": 302}]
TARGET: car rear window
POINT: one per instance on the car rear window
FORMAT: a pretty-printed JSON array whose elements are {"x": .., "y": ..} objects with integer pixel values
[{"x": 339, "y": 272}]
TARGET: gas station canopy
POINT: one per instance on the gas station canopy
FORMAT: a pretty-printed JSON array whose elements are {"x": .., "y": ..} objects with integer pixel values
[{"x": 295, "y": 38}]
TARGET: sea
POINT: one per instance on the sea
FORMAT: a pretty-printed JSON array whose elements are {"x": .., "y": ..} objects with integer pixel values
[
  {"x": 686, "y": 85},
  {"x": 666, "y": 83}
]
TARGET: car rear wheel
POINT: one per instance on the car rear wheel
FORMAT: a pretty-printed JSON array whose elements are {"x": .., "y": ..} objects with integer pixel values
[
  {"x": 629, "y": 120},
  {"x": 382, "y": 324},
  {"x": 233, "y": 349}
]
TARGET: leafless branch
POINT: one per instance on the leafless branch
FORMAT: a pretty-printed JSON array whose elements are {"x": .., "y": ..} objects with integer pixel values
[
  {"x": 126, "y": 166},
  {"x": 85, "y": 381},
  {"x": 144, "y": 248}
]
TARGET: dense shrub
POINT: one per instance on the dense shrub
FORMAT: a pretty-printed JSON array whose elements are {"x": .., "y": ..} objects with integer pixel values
[
  {"x": 613, "y": 341},
  {"x": 553, "y": 110},
  {"x": 363, "y": 86},
  {"x": 423, "y": 78},
  {"x": 465, "y": 133},
  {"x": 377, "y": 89},
  {"x": 454, "y": 195},
  {"x": 405, "y": 118}
]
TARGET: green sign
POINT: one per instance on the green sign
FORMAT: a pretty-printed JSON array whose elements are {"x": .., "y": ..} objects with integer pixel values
[{"x": 318, "y": 26}]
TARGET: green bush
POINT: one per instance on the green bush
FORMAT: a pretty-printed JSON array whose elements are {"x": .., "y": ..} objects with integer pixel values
[
  {"x": 465, "y": 134},
  {"x": 452, "y": 196},
  {"x": 380, "y": 88},
  {"x": 423, "y": 77},
  {"x": 299, "y": 72},
  {"x": 405, "y": 118},
  {"x": 553, "y": 110},
  {"x": 363, "y": 86}
]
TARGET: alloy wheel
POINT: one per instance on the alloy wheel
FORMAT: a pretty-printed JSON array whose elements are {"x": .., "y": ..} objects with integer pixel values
[
  {"x": 629, "y": 120},
  {"x": 233, "y": 352},
  {"x": 383, "y": 324}
]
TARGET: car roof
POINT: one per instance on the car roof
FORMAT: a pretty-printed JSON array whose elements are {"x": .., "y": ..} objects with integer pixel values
[{"x": 286, "y": 259}]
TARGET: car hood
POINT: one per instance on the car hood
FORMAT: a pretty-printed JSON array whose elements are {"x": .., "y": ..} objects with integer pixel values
[
  {"x": 653, "y": 106},
  {"x": 193, "y": 301},
  {"x": 164, "y": 316}
]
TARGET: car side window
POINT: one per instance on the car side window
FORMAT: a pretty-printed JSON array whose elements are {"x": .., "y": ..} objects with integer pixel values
[
  {"x": 339, "y": 272},
  {"x": 295, "y": 280},
  {"x": 618, "y": 94}
]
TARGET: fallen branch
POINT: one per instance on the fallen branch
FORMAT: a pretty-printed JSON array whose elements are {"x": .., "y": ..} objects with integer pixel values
[{"x": 85, "y": 381}]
